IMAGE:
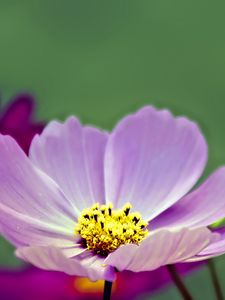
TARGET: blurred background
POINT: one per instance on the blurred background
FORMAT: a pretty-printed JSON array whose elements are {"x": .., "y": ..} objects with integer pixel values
[{"x": 103, "y": 59}]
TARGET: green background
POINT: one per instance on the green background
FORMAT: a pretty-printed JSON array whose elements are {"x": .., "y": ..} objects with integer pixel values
[{"x": 103, "y": 59}]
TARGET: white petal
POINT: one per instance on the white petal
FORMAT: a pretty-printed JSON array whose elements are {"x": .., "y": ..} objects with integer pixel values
[{"x": 50, "y": 258}]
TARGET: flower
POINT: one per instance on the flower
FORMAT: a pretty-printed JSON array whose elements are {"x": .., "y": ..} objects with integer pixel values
[
  {"x": 22, "y": 284},
  {"x": 89, "y": 203},
  {"x": 35, "y": 284},
  {"x": 17, "y": 120}
]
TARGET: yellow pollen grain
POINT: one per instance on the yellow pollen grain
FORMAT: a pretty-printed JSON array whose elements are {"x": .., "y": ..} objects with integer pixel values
[{"x": 103, "y": 229}]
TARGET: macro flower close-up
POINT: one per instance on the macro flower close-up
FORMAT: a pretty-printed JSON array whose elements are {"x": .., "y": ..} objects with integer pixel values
[
  {"x": 112, "y": 150},
  {"x": 91, "y": 203}
]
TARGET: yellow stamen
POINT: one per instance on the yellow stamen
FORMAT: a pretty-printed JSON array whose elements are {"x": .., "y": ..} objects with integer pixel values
[{"x": 103, "y": 229}]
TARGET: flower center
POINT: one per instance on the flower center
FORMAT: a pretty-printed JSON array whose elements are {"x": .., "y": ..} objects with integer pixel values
[{"x": 103, "y": 229}]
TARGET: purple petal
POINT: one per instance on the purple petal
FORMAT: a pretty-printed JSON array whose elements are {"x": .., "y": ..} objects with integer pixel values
[
  {"x": 215, "y": 248},
  {"x": 152, "y": 160},
  {"x": 33, "y": 210},
  {"x": 73, "y": 157},
  {"x": 202, "y": 207},
  {"x": 51, "y": 258},
  {"x": 18, "y": 114},
  {"x": 160, "y": 248}
]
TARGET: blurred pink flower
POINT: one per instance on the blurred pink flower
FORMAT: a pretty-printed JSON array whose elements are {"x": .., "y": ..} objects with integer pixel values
[
  {"x": 35, "y": 284},
  {"x": 17, "y": 120}
]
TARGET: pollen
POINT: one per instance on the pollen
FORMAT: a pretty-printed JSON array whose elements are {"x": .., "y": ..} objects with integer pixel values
[{"x": 103, "y": 230}]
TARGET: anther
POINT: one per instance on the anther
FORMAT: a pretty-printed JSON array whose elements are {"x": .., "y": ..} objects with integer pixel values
[
  {"x": 136, "y": 220},
  {"x": 126, "y": 211},
  {"x": 87, "y": 217},
  {"x": 96, "y": 218}
]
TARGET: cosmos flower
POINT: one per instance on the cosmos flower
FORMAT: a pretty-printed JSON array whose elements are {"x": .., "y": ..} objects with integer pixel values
[
  {"x": 32, "y": 283},
  {"x": 89, "y": 203},
  {"x": 17, "y": 120}
]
